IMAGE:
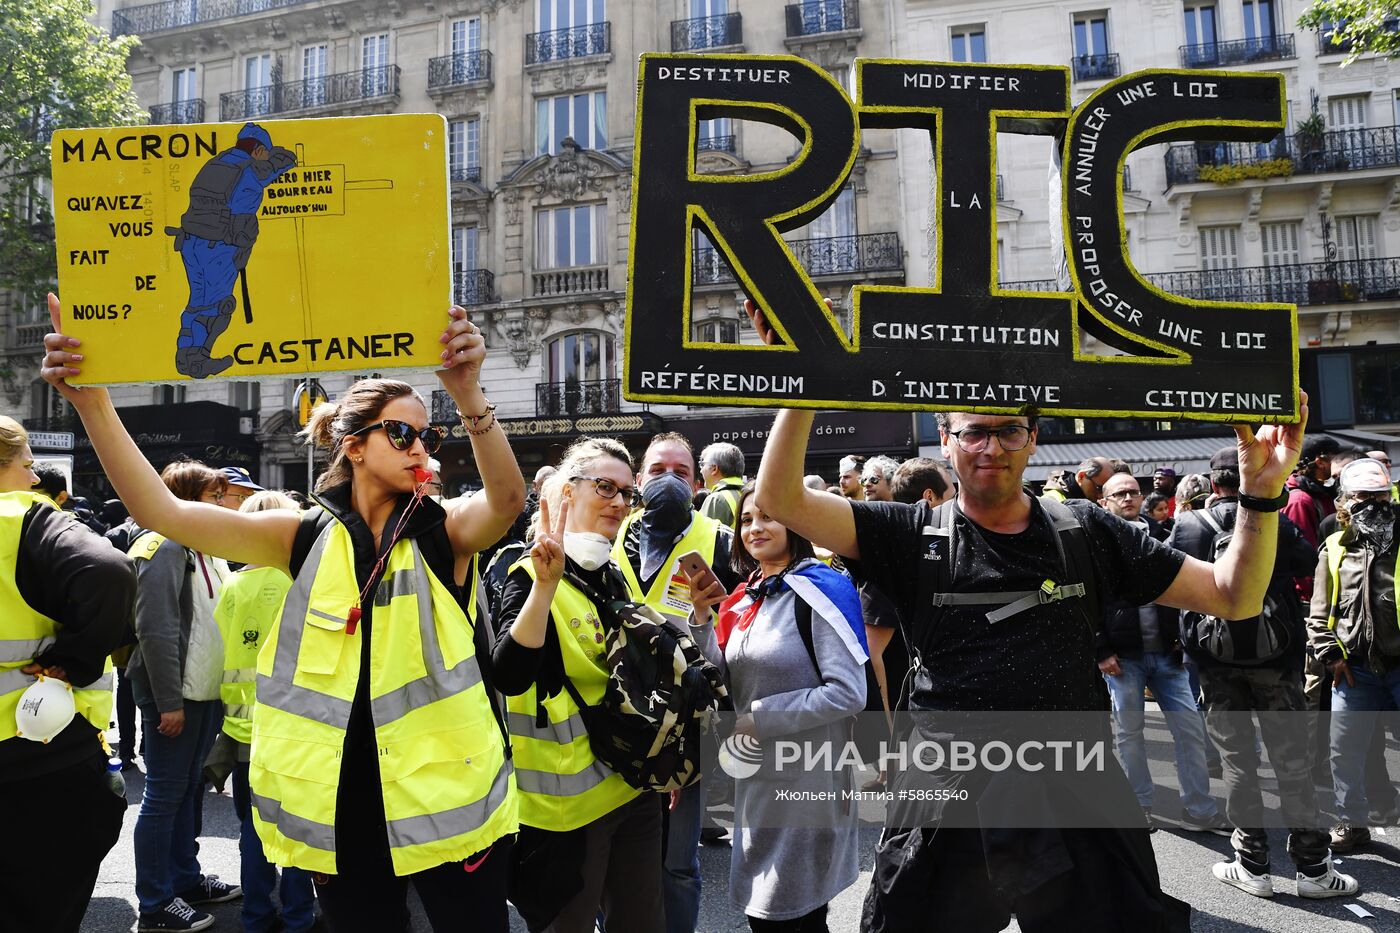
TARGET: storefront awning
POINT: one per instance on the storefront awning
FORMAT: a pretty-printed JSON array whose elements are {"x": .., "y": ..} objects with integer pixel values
[{"x": 1182, "y": 454}]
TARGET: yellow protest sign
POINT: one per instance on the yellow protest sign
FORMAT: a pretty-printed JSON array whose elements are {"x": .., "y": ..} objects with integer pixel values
[{"x": 253, "y": 249}]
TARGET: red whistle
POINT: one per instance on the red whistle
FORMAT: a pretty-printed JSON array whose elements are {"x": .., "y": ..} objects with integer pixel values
[
  {"x": 422, "y": 475},
  {"x": 352, "y": 620}
]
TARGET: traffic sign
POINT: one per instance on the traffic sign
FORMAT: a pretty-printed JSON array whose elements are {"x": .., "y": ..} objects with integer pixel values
[{"x": 309, "y": 394}]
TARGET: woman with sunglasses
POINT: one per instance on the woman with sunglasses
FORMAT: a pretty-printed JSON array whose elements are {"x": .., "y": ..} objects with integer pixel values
[
  {"x": 788, "y": 641},
  {"x": 377, "y": 757},
  {"x": 589, "y": 843}
]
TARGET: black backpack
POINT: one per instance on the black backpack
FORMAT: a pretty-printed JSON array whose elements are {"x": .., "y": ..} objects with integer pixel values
[
  {"x": 1246, "y": 642},
  {"x": 661, "y": 697}
]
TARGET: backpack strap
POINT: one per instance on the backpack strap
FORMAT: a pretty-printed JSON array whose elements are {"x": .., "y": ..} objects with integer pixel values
[
  {"x": 313, "y": 520},
  {"x": 1072, "y": 541},
  {"x": 802, "y": 613},
  {"x": 1212, "y": 521}
]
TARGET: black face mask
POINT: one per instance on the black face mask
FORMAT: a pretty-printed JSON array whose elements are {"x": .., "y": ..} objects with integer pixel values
[
  {"x": 1315, "y": 488},
  {"x": 1374, "y": 523}
]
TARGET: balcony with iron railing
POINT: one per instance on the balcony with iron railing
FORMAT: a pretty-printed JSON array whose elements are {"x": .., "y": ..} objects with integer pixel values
[
  {"x": 1238, "y": 51},
  {"x": 1299, "y": 283},
  {"x": 473, "y": 287},
  {"x": 172, "y": 14},
  {"x": 715, "y": 144},
  {"x": 337, "y": 90},
  {"x": 573, "y": 398},
  {"x": 181, "y": 111},
  {"x": 578, "y": 280},
  {"x": 573, "y": 42},
  {"x": 707, "y": 32},
  {"x": 1298, "y": 154},
  {"x": 819, "y": 17},
  {"x": 836, "y": 255},
  {"x": 1095, "y": 67},
  {"x": 448, "y": 71},
  {"x": 471, "y": 173},
  {"x": 29, "y": 334}
]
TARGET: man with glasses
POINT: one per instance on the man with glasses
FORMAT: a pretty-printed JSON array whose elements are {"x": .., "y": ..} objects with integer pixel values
[
  {"x": 1140, "y": 647},
  {"x": 877, "y": 477},
  {"x": 648, "y": 549},
  {"x": 241, "y": 487},
  {"x": 1384, "y": 458},
  {"x": 1038, "y": 659}
]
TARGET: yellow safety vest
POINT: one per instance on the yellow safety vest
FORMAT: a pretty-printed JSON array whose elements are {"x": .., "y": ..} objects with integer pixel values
[
  {"x": 25, "y": 632},
  {"x": 448, "y": 786},
  {"x": 669, "y": 593},
  {"x": 1336, "y": 551},
  {"x": 562, "y": 785},
  {"x": 728, "y": 490},
  {"x": 250, "y": 604}
]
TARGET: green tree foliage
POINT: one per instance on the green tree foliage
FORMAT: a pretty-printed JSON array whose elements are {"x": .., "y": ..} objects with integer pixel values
[
  {"x": 57, "y": 69},
  {"x": 1364, "y": 25}
]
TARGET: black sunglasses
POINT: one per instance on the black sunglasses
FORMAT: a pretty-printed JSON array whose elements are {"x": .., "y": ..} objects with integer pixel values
[{"x": 402, "y": 435}]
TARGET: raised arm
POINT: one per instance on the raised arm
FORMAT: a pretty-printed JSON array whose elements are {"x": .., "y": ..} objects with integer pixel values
[
  {"x": 477, "y": 522},
  {"x": 823, "y": 518},
  {"x": 246, "y": 537},
  {"x": 1233, "y": 587}
]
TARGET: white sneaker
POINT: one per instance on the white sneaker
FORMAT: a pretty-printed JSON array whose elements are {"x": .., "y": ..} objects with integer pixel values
[
  {"x": 1234, "y": 873},
  {"x": 1330, "y": 883}
]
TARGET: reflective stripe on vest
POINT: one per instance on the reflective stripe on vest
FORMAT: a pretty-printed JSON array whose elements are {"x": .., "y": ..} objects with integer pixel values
[
  {"x": 669, "y": 594},
  {"x": 25, "y": 632},
  {"x": 562, "y": 785},
  {"x": 449, "y": 790},
  {"x": 1336, "y": 552},
  {"x": 250, "y": 603}
]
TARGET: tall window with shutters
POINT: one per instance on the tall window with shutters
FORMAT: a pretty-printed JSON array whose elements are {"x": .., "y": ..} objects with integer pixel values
[
  {"x": 1219, "y": 260},
  {"x": 1284, "y": 280},
  {"x": 1356, "y": 237}
]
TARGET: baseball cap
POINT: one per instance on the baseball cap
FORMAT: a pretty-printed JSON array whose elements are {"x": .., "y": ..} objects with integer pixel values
[
  {"x": 1226, "y": 458},
  {"x": 848, "y": 464},
  {"x": 237, "y": 476},
  {"x": 1164, "y": 471},
  {"x": 1319, "y": 445},
  {"x": 257, "y": 133},
  {"x": 1365, "y": 475}
]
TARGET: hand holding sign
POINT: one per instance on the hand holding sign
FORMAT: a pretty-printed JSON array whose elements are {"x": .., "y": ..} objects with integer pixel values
[
  {"x": 1267, "y": 457},
  {"x": 61, "y": 360}
]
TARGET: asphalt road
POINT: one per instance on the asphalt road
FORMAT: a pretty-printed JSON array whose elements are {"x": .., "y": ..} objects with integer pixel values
[{"x": 1184, "y": 860}]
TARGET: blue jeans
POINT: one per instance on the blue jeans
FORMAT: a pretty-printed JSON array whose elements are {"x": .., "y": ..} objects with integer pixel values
[
  {"x": 680, "y": 876},
  {"x": 259, "y": 877},
  {"x": 1354, "y": 719},
  {"x": 1172, "y": 688},
  {"x": 167, "y": 850}
]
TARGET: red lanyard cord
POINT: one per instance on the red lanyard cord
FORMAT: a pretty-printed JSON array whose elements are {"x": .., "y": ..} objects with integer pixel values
[{"x": 352, "y": 619}]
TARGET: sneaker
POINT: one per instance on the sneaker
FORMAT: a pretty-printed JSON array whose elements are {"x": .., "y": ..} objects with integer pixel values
[
  {"x": 1214, "y": 824},
  {"x": 1346, "y": 837},
  {"x": 177, "y": 915},
  {"x": 1235, "y": 873},
  {"x": 212, "y": 891},
  {"x": 1331, "y": 883}
]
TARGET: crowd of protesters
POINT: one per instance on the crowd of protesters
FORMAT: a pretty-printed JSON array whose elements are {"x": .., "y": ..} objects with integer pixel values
[{"x": 402, "y": 688}]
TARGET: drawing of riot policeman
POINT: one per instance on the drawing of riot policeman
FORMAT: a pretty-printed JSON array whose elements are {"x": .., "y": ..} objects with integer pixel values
[{"x": 215, "y": 239}]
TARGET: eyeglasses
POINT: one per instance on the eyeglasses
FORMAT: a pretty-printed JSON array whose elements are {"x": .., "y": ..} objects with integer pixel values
[
  {"x": 871, "y": 481},
  {"x": 402, "y": 435},
  {"x": 607, "y": 489},
  {"x": 210, "y": 495},
  {"x": 1009, "y": 436},
  {"x": 1124, "y": 496}
]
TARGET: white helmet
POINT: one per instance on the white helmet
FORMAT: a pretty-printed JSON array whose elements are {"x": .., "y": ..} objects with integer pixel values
[{"x": 45, "y": 710}]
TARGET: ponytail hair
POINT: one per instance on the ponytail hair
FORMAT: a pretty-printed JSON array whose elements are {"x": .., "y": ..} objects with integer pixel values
[{"x": 331, "y": 422}]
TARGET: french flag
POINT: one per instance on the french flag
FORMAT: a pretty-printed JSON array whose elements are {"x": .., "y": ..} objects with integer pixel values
[{"x": 831, "y": 595}]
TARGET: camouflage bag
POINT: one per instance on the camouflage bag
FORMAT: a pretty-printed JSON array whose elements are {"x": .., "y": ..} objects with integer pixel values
[{"x": 661, "y": 697}]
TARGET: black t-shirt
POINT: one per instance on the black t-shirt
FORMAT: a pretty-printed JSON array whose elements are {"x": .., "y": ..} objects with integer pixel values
[{"x": 1039, "y": 659}]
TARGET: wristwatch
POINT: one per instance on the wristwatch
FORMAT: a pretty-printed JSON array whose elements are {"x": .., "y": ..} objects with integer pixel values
[{"x": 1256, "y": 504}]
